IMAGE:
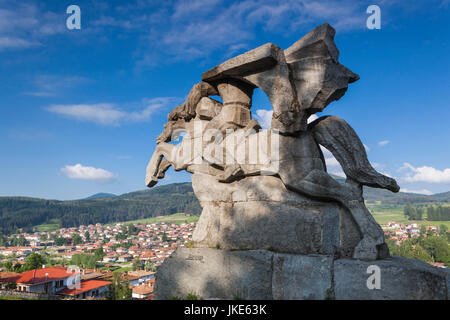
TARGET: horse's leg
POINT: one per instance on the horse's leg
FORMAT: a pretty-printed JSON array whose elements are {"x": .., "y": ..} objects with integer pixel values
[
  {"x": 163, "y": 150},
  {"x": 163, "y": 167},
  {"x": 233, "y": 169},
  {"x": 320, "y": 185}
]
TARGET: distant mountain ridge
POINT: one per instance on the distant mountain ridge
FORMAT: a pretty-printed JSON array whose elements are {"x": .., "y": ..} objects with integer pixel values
[
  {"x": 100, "y": 195},
  {"x": 25, "y": 213}
]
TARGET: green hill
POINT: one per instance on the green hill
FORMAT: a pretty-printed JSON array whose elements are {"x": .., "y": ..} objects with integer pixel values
[
  {"x": 445, "y": 196},
  {"x": 101, "y": 195},
  {"x": 25, "y": 213}
]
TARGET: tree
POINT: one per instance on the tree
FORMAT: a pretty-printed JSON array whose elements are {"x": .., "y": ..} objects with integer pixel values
[
  {"x": 34, "y": 261},
  {"x": 43, "y": 237},
  {"x": 408, "y": 250},
  {"x": 60, "y": 241},
  {"x": 119, "y": 289},
  {"x": 99, "y": 254},
  {"x": 84, "y": 261},
  {"x": 438, "y": 248},
  {"x": 132, "y": 229},
  {"x": 8, "y": 266},
  {"x": 407, "y": 210},
  {"x": 443, "y": 229},
  {"x": 87, "y": 236},
  {"x": 11, "y": 286},
  {"x": 150, "y": 266},
  {"x": 76, "y": 239},
  {"x": 121, "y": 236},
  {"x": 137, "y": 265},
  {"x": 21, "y": 241},
  {"x": 3, "y": 240},
  {"x": 18, "y": 268},
  {"x": 423, "y": 230}
]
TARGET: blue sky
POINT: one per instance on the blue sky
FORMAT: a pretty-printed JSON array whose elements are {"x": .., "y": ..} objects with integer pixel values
[{"x": 80, "y": 109}]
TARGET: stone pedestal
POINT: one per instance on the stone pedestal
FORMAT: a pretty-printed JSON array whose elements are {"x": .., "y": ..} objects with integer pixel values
[
  {"x": 260, "y": 213},
  {"x": 264, "y": 275}
]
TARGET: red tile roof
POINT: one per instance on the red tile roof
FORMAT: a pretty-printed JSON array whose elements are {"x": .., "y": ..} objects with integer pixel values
[
  {"x": 85, "y": 286},
  {"x": 7, "y": 276},
  {"x": 43, "y": 275},
  {"x": 143, "y": 289}
]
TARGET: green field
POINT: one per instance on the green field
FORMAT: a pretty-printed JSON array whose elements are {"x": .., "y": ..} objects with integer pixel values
[
  {"x": 49, "y": 227},
  {"x": 383, "y": 215},
  {"x": 173, "y": 218}
]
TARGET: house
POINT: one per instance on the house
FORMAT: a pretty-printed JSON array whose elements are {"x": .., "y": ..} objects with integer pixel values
[
  {"x": 125, "y": 258},
  {"x": 45, "y": 280},
  {"x": 109, "y": 258},
  {"x": 142, "y": 292},
  {"x": 88, "y": 289},
  {"x": 121, "y": 250},
  {"x": 7, "y": 277},
  {"x": 93, "y": 275},
  {"x": 142, "y": 275}
]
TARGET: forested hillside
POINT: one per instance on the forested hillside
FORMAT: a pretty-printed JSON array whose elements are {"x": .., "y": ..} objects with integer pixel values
[{"x": 18, "y": 212}]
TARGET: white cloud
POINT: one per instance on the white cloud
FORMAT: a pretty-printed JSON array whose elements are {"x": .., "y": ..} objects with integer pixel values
[
  {"x": 422, "y": 191},
  {"x": 312, "y": 118},
  {"x": 189, "y": 30},
  {"x": 383, "y": 143},
  {"x": 332, "y": 162},
  {"x": 109, "y": 114},
  {"x": 264, "y": 118},
  {"x": 326, "y": 152},
  {"x": 46, "y": 85},
  {"x": 425, "y": 174},
  {"x": 81, "y": 172},
  {"x": 102, "y": 113},
  {"x": 24, "y": 25},
  {"x": 16, "y": 43}
]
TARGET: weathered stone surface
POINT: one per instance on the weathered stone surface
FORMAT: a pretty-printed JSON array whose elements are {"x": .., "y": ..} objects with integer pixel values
[
  {"x": 317, "y": 43},
  {"x": 286, "y": 203},
  {"x": 208, "y": 108},
  {"x": 262, "y": 57},
  {"x": 401, "y": 279},
  {"x": 301, "y": 277},
  {"x": 317, "y": 75},
  {"x": 260, "y": 213},
  {"x": 260, "y": 274},
  {"x": 211, "y": 273}
]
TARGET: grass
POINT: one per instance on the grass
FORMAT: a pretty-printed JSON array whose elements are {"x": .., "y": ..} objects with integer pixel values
[
  {"x": 173, "y": 218},
  {"x": 48, "y": 227},
  {"x": 383, "y": 215},
  {"x": 14, "y": 298},
  {"x": 124, "y": 269}
]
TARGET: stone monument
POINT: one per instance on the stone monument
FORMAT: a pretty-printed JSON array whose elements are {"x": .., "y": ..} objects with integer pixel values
[{"x": 275, "y": 224}]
